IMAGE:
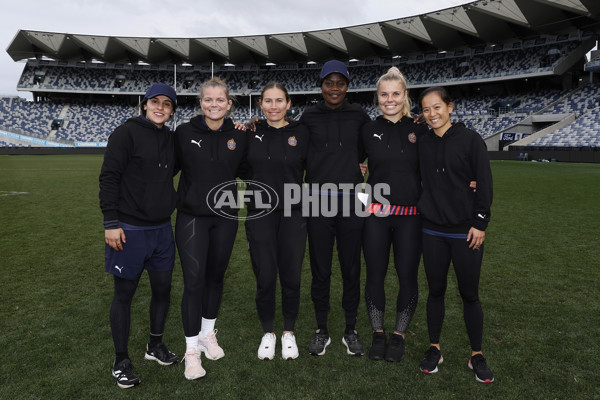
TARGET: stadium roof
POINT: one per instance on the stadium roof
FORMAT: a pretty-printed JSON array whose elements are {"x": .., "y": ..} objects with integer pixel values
[{"x": 473, "y": 24}]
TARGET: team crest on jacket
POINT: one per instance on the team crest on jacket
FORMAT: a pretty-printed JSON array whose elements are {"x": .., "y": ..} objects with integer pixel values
[
  {"x": 231, "y": 145},
  {"x": 412, "y": 137},
  {"x": 292, "y": 141}
]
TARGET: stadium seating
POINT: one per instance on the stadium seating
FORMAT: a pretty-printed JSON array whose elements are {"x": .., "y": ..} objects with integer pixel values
[
  {"x": 585, "y": 130},
  {"x": 24, "y": 117},
  {"x": 94, "y": 120},
  {"x": 475, "y": 65}
]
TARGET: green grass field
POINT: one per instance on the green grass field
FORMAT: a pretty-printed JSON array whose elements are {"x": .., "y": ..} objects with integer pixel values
[{"x": 539, "y": 289}]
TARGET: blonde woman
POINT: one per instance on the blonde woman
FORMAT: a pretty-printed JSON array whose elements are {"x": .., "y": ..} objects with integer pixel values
[
  {"x": 391, "y": 143},
  {"x": 209, "y": 151}
]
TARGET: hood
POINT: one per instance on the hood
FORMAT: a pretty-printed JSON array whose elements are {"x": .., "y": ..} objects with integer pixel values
[
  {"x": 322, "y": 107},
  {"x": 162, "y": 136}
]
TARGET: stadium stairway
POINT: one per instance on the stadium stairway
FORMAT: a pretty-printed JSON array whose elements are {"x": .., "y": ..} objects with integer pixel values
[
  {"x": 562, "y": 119},
  {"x": 62, "y": 115}
]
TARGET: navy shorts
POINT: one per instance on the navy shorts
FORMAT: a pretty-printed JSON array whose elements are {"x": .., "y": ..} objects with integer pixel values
[{"x": 151, "y": 248}]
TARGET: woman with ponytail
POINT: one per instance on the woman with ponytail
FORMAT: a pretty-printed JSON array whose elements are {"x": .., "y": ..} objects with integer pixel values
[{"x": 390, "y": 142}]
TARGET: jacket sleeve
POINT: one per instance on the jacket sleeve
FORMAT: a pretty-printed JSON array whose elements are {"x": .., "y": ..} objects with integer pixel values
[
  {"x": 243, "y": 170},
  {"x": 116, "y": 158},
  {"x": 484, "y": 191},
  {"x": 362, "y": 152},
  {"x": 176, "y": 135}
]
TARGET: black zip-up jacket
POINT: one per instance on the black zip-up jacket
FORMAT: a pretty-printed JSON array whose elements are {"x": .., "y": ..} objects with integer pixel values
[
  {"x": 277, "y": 156},
  {"x": 136, "y": 180},
  {"x": 448, "y": 165},
  {"x": 335, "y": 148},
  {"x": 206, "y": 158},
  {"x": 392, "y": 150}
]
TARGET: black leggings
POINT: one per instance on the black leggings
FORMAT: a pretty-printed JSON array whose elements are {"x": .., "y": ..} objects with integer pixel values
[
  {"x": 438, "y": 251},
  {"x": 380, "y": 233},
  {"x": 120, "y": 309},
  {"x": 346, "y": 233},
  {"x": 277, "y": 244},
  {"x": 205, "y": 245}
]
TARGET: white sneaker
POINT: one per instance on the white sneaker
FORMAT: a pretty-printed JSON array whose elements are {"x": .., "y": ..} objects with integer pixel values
[
  {"x": 193, "y": 364},
  {"x": 210, "y": 347},
  {"x": 289, "y": 350},
  {"x": 266, "y": 351}
]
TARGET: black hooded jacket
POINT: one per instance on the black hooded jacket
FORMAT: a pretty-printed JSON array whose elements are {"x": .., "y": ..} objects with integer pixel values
[
  {"x": 136, "y": 180},
  {"x": 448, "y": 165},
  {"x": 277, "y": 156},
  {"x": 206, "y": 158},
  {"x": 335, "y": 148},
  {"x": 392, "y": 149}
]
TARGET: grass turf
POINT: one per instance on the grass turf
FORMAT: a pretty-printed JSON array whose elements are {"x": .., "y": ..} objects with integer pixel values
[{"x": 539, "y": 290}]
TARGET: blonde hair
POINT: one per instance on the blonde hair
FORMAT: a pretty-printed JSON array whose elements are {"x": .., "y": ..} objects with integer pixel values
[
  {"x": 216, "y": 82},
  {"x": 394, "y": 74}
]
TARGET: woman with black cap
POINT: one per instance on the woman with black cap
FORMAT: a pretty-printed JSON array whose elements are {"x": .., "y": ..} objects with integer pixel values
[
  {"x": 335, "y": 152},
  {"x": 137, "y": 199},
  {"x": 209, "y": 151}
]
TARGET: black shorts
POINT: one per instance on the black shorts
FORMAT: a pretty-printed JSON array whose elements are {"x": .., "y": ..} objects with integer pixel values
[{"x": 151, "y": 248}]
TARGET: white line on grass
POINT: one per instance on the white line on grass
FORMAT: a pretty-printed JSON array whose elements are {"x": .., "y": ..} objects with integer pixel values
[{"x": 7, "y": 193}]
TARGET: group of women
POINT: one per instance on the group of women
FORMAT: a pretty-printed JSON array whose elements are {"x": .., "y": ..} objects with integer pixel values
[{"x": 438, "y": 205}]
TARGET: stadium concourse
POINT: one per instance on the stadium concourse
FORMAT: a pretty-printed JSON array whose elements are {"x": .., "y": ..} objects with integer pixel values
[{"x": 520, "y": 73}]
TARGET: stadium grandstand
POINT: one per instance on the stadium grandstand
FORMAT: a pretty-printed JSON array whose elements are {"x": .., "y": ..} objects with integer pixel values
[{"x": 523, "y": 73}]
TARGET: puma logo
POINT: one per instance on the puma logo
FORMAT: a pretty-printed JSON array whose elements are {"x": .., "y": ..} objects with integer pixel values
[
  {"x": 259, "y": 137},
  {"x": 482, "y": 216},
  {"x": 378, "y": 136},
  {"x": 120, "y": 269},
  {"x": 198, "y": 142}
]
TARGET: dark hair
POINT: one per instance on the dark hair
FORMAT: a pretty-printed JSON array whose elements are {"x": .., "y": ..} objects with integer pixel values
[
  {"x": 139, "y": 109},
  {"x": 435, "y": 89},
  {"x": 275, "y": 85}
]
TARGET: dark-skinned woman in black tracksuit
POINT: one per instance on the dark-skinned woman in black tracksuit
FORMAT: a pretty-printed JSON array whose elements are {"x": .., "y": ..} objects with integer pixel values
[{"x": 335, "y": 151}]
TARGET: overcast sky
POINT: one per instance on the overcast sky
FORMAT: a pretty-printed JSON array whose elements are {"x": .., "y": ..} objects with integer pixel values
[{"x": 185, "y": 18}]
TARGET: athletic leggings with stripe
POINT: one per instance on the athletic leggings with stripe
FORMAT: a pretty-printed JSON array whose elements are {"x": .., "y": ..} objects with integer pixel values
[
  {"x": 438, "y": 251},
  {"x": 205, "y": 245},
  {"x": 403, "y": 232},
  {"x": 120, "y": 309}
]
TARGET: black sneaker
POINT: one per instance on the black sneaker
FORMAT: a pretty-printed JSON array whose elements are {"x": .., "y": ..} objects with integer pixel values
[
  {"x": 377, "y": 350},
  {"x": 483, "y": 373},
  {"x": 160, "y": 354},
  {"x": 433, "y": 357},
  {"x": 395, "y": 349},
  {"x": 125, "y": 375},
  {"x": 319, "y": 343},
  {"x": 353, "y": 345}
]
